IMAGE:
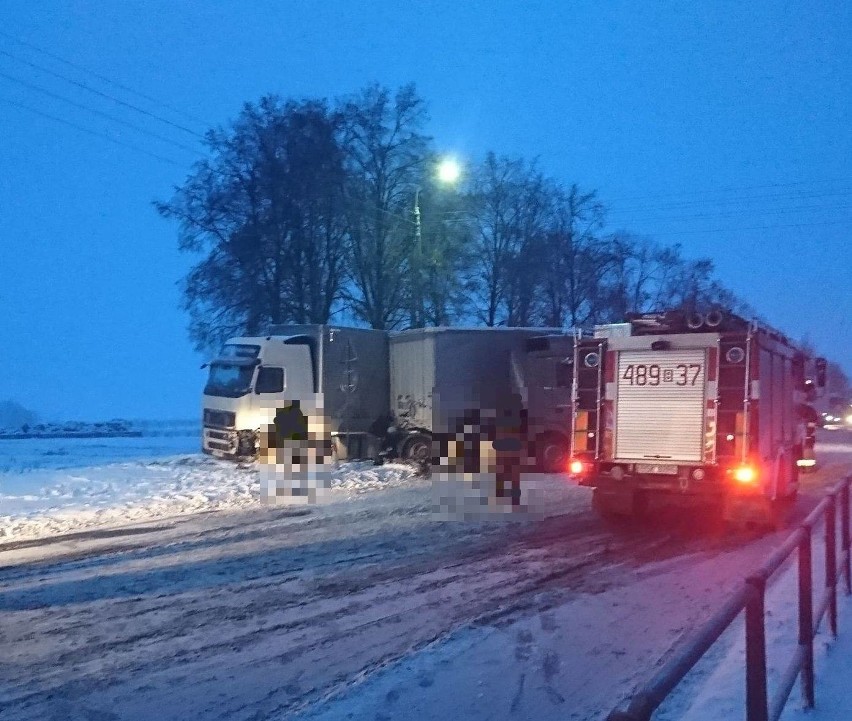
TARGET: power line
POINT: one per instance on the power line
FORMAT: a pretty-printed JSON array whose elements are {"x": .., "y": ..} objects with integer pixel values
[
  {"x": 103, "y": 78},
  {"x": 89, "y": 131},
  {"x": 728, "y": 201},
  {"x": 735, "y": 213},
  {"x": 729, "y": 189},
  {"x": 109, "y": 116},
  {"x": 136, "y": 108},
  {"x": 755, "y": 227}
]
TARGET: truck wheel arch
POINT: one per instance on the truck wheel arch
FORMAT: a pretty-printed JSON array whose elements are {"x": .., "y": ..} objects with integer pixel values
[{"x": 416, "y": 447}]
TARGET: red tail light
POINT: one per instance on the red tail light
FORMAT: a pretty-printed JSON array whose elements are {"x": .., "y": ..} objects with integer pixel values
[
  {"x": 745, "y": 475},
  {"x": 576, "y": 468}
]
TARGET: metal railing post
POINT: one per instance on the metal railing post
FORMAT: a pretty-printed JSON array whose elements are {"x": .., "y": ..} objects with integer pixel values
[
  {"x": 844, "y": 535},
  {"x": 757, "y": 708},
  {"x": 806, "y": 618},
  {"x": 831, "y": 562}
]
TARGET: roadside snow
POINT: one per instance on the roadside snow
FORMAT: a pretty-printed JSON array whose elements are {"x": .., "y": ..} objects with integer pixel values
[
  {"x": 51, "y": 486},
  {"x": 715, "y": 688},
  {"x": 833, "y": 668}
]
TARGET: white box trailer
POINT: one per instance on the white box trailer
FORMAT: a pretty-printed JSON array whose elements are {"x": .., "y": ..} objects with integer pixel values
[{"x": 441, "y": 375}]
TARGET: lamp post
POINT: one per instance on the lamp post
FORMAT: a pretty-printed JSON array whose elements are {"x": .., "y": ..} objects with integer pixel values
[
  {"x": 418, "y": 237},
  {"x": 448, "y": 173}
]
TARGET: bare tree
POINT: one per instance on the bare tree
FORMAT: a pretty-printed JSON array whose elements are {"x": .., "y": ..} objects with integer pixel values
[
  {"x": 446, "y": 258},
  {"x": 645, "y": 276},
  {"x": 266, "y": 208},
  {"x": 576, "y": 259},
  {"x": 512, "y": 206},
  {"x": 386, "y": 156},
  {"x": 301, "y": 211}
]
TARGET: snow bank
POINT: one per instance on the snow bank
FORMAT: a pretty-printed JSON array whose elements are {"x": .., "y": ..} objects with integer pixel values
[
  {"x": 833, "y": 668},
  {"x": 59, "y": 485},
  {"x": 716, "y": 687}
]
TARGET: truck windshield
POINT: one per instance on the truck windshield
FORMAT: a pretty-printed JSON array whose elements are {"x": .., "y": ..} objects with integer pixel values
[{"x": 228, "y": 380}]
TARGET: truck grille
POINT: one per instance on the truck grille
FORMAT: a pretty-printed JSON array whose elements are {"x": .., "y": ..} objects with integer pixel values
[
  {"x": 224, "y": 441},
  {"x": 219, "y": 419}
]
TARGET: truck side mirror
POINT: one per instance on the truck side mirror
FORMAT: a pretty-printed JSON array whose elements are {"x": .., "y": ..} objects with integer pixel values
[{"x": 821, "y": 372}]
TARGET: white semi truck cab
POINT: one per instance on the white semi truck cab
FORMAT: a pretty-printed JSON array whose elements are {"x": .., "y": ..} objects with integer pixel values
[
  {"x": 337, "y": 375},
  {"x": 250, "y": 379}
]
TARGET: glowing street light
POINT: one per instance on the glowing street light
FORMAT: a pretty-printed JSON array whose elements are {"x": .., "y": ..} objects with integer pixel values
[
  {"x": 449, "y": 170},
  {"x": 448, "y": 173}
]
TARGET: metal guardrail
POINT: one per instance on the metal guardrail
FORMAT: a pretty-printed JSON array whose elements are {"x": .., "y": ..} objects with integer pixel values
[{"x": 750, "y": 598}]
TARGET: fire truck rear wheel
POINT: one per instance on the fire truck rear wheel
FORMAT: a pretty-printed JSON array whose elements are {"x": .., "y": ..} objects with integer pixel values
[
  {"x": 551, "y": 453},
  {"x": 781, "y": 511},
  {"x": 621, "y": 507}
]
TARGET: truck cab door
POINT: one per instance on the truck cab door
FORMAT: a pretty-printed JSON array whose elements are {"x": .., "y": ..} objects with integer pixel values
[{"x": 288, "y": 376}]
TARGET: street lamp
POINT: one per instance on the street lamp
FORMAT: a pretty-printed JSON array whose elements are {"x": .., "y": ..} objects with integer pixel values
[
  {"x": 448, "y": 173},
  {"x": 449, "y": 170}
]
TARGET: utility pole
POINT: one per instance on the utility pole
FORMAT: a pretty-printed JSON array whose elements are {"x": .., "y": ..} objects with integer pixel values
[{"x": 418, "y": 281}]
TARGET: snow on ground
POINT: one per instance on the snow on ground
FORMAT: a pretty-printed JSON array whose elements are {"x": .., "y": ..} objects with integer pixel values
[
  {"x": 833, "y": 663},
  {"x": 27, "y": 455},
  {"x": 51, "y": 486},
  {"x": 715, "y": 688},
  {"x": 365, "y": 608},
  {"x": 570, "y": 661},
  {"x": 532, "y": 668}
]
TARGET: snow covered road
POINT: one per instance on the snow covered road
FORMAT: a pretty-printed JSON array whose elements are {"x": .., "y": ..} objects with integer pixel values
[
  {"x": 362, "y": 607},
  {"x": 269, "y": 613}
]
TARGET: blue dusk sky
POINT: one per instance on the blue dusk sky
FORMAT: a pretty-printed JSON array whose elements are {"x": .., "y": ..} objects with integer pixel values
[{"x": 722, "y": 126}]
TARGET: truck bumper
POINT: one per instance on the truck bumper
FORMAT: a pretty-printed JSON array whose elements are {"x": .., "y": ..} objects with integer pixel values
[
  {"x": 626, "y": 492},
  {"x": 632, "y": 494},
  {"x": 228, "y": 442}
]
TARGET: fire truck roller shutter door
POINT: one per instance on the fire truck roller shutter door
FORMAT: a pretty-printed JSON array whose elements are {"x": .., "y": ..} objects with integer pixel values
[{"x": 660, "y": 405}]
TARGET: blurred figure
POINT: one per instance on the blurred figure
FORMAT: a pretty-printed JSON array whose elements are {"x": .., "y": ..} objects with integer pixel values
[{"x": 296, "y": 453}]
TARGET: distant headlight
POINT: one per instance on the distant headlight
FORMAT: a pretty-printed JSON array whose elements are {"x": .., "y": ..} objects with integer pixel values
[{"x": 849, "y": 419}]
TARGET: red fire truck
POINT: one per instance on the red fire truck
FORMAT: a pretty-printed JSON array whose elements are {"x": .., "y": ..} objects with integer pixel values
[{"x": 699, "y": 408}]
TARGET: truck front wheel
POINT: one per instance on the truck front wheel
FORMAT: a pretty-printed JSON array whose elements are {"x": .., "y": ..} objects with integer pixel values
[{"x": 247, "y": 443}]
